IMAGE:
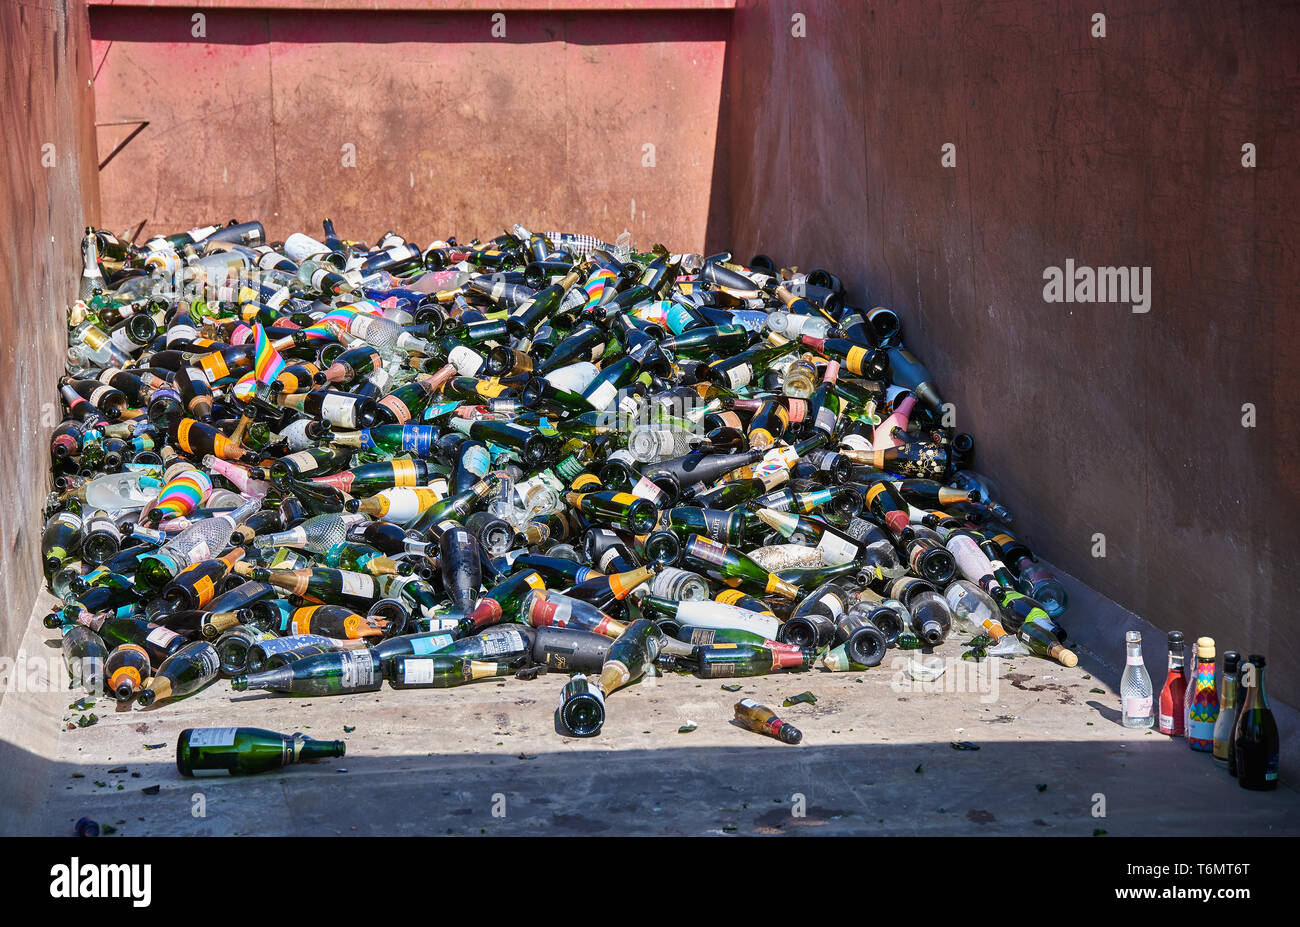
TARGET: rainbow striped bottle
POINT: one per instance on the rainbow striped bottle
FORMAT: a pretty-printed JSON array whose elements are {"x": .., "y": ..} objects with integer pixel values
[{"x": 1202, "y": 699}]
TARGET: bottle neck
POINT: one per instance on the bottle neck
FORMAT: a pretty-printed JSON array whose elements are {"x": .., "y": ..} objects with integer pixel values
[
  {"x": 318, "y": 750},
  {"x": 1255, "y": 697}
]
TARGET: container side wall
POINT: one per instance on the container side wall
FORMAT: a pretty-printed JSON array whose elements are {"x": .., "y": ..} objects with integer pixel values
[
  {"x": 1102, "y": 424},
  {"x": 48, "y": 193}
]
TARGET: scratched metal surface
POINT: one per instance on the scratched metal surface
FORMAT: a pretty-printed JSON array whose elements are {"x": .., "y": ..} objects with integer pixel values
[
  {"x": 47, "y": 194},
  {"x": 1117, "y": 151},
  {"x": 453, "y": 131}
]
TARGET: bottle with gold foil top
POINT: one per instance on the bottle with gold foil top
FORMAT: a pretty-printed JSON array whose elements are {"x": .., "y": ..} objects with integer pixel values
[
  {"x": 768, "y": 424},
  {"x": 1227, "y": 707},
  {"x": 1202, "y": 699},
  {"x": 630, "y": 656},
  {"x": 737, "y": 568},
  {"x": 183, "y": 673},
  {"x": 401, "y": 506},
  {"x": 61, "y": 540},
  {"x": 441, "y": 670}
]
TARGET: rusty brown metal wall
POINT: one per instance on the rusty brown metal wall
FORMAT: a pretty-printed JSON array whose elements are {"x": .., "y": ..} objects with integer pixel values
[
  {"x": 1117, "y": 151},
  {"x": 48, "y": 192},
  {"x": 452, "y": 130}
]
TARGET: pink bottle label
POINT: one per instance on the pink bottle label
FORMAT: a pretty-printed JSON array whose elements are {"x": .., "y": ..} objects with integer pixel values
[{"x": 1137, "y": 707}]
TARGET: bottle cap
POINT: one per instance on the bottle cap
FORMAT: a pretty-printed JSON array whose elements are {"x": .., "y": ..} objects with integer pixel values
[
  {"x": 1257, "y": 659},
  {"x": 1175, "y": 639},
  {"x": 1205, "y": 648}
]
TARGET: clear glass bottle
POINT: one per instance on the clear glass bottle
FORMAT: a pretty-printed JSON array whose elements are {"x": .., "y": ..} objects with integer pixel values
[{"x": 1135, "y": 686}]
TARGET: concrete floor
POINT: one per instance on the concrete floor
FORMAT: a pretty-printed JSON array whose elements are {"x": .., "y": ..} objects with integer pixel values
[{"x": 487, "y": 759}]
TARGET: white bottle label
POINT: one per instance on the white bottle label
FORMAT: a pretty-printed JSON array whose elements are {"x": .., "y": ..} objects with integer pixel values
[
  {"x": 161, "y": 636},
  {"x": 358, "y": 669},
  {"x": 213, "y": 737},
  {"x": 466, "y": 361},
  {"x": 740, "y": 376},
  {"x": 645, "y": 489},
  {"x": 358, "y": 584},
  {"x": 302, "y": 460},
  {"x": 603, "y": 397},
  {"x": 505, "y": 642},
  {"x": 835, "y": 550},
  {"x": 339, "y": 410},
  {"x": 417, "y": 671}
]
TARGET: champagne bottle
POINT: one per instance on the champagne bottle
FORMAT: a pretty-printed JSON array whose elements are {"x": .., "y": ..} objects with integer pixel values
[
  {"x": 441, "y": 671},
  {"x": 762, "y": 720},
  {"x": 127, "y": 667},
  {"x": 198, "y": 439},
  {"x": 581, "y": 711},
  {"x": 196, "y": 585},
  {"x": 719, "y": 660},
  {"x": 201, "y": 541},
  {"x": 710, "y": 615},
  {"x": 183, "y": 673},
  {"x": 618, "y": 508},
  {"x": 1256, "y": 740},
  {"x": 1227, "y": 707},
  {"x": 1202, "y": 699},
  {"x": 85, "y": 656},
  {"x": 1042, "y": 641},
  {"x": 505, "y": 601},
  {"x": 544, "y": 608},
  {"x": 331, "y": 673},
  {"x": 244, "y": 751},
  {"x": 61, "y": 540},
  {"x": 736, "y": 568}
]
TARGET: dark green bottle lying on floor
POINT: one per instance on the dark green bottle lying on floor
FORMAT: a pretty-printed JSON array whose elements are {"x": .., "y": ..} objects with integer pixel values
[{"x": 243, "y": 751}]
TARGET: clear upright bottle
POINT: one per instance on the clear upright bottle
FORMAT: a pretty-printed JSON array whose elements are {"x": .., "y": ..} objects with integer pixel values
[{"x": 1135, "y": 686}]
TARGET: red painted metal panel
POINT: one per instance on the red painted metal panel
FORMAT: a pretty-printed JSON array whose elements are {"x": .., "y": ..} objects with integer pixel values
[{"x": 452, "y": 131}]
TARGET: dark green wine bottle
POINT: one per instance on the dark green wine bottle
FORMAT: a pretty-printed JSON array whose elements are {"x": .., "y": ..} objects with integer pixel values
[{"x": 244, "y": 751}]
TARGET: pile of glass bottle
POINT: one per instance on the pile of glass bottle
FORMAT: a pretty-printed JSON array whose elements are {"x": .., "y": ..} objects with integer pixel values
[{"x": 316, "y": 465}]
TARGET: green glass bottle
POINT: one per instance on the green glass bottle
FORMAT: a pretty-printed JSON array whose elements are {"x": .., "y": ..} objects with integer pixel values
[
  {"x": 723, "y": 660},
  {"x": 736, "y": 568},
  {"x": 245, "y": 751},
  {"x": 441, "y": 671},
  {"x": 505, "y": 601},
  {"x": 183, "y": 673},
  {"x": 333, "y": 673},
  {"x": 616, "y": 508}
]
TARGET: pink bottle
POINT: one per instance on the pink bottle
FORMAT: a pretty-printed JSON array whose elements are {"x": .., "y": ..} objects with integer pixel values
[{"x": 883, "y": 436}]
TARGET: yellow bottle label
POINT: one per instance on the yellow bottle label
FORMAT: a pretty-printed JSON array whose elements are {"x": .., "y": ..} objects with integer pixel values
[{"x": 404, "y": 473}]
